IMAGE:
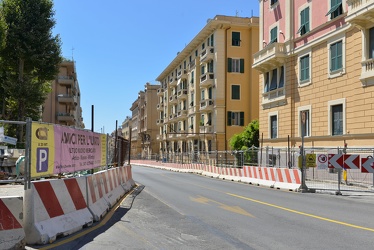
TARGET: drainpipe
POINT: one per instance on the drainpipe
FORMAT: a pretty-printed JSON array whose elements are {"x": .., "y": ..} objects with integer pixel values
[{"x": 226, "y": 87}]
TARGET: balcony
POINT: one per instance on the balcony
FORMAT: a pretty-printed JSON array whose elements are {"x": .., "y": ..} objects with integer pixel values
[
  {"x": 206, "y": 104},
  {"x": 172, "y": 82},
  {"x": 66, "y": 80},
  {"x": 173, "y": 99},
  {"x": 69, "y": 99},
  {"x": 182, "y": 74},
  {"x": 181, "y": 114},
  {"x": 160, "y": 92},
  {"x": 181, "y": 133},
  {"x": 367, "y": 72},
  {"x": 160, "y": 122},
  {"x": 207, "y": 80},
  {"x": 206, "y": 129},
  {"x": 360, "y": 13},
  {"x": 171, "y": 136},
  {"x": 160, "y": 106},
  {"x": 207, "y": 55},
  {"x": 271, "y": 56},
  {"x": 65, "y": 117},
  {"x": 182, "y": 94},
  {"x": 274, "y": 97},
  {"x": 158, "y": 137},
  {"x": 192, "y": 65}
]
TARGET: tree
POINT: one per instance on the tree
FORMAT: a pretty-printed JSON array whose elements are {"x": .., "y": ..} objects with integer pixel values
[
  {"x": 30, "y": 57},
  {"x": 247, "y": 139}
]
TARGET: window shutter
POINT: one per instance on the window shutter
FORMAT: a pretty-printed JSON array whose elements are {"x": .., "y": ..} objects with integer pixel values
[
  {"x": 229, "y": 64},
  {"x": 241, "y": 65},
  {"x": 228, "y": 118},
  {"x": 241, "y": 118}
]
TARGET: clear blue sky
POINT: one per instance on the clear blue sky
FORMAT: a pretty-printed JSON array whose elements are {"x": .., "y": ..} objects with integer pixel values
[{"x": 119, "y": 45}]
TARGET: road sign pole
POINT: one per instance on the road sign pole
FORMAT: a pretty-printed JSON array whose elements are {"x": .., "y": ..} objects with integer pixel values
[{"x": 304, "y": 188}]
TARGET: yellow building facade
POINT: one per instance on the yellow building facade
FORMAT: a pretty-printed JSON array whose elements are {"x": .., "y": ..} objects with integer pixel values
[
  {"x": 325, "y": 64},
  {"x": 209, "y": 92}
]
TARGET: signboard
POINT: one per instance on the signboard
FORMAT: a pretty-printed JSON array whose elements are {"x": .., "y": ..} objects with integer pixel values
[
  {"x": 367, "y": 165},
  {"x": 8, "y": 139},
  {"x": 57, "y": 149},
  {"x": 345, "y": 161},
  {"x": 310, "y": 160},
  {"x": 322, "y": 161}
]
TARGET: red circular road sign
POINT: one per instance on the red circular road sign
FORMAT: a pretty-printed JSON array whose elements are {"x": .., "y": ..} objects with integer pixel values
[{"x": 322, "y": 158}]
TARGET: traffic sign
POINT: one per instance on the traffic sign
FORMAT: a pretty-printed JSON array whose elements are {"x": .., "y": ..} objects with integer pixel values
[
  {"x": 322, "y": 161},
  {"x": 310, "y": 160},
  {"x": 367, "y": 165},
  {"x": 345, "y": 161},
  {"x": 8, "y": 139}
]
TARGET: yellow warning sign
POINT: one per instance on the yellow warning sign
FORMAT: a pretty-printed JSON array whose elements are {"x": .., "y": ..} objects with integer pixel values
[{"x": 310, "y": 160}]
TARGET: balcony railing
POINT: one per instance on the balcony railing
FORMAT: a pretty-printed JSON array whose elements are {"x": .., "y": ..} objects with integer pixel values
[
  {"x": 265, "y": 59},
  {"x": 182, "y": 114},
  {"x": 65, "y": 80},
  {"x": 207, "y": 54},
  {"x": 207, "y": 79},
  {"x": 206, "y": 129},
  {"x": 160, "y": 106},
  {"x": 173, "y": 99},
  {"x": 66, "y": 117},
  {"x": 360, "y": 12},
  {"x": 206, "y": 104},
  {"x": 276, "y": 96},
  {"x": 160, "y": 92},
  {"x": 367, "y": 72},
  {"x": 172, "y": 82},
  {"x": 192, "y": 65},
  {"x": 182, "y": 74},
  {"x": 160, "y": 122},
  {"x": 182, "y": 94}
]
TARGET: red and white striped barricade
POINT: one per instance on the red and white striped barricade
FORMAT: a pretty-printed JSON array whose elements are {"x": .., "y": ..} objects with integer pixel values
[
  {"x": 266, "y": 176},
  {"x": 12, "y": 235},
  {"x": 55, "y": 207},
  {"x": 289, "y": 179},
  {"x": 97, "y": 203},
  {"x": 250, "y": 175}
]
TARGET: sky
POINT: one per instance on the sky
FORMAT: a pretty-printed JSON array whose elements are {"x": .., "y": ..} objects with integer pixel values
[{"x": 120, "y": 45}]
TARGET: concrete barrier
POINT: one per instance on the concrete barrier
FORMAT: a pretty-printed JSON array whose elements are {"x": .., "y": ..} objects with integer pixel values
[
  {"x": 289, "y": 179},
  {"x": 97, "y": 203},
  {"x": 55, "y": 208},
  {"x": 12, "y": 234}
]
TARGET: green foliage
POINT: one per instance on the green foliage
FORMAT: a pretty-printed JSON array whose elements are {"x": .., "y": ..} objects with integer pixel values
[
  {"x": 30, "y": 57},
  {"x": 246, "y": 140}
]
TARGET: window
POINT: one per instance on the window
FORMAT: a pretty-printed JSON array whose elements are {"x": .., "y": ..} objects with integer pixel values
[
  {"x": 371, "y": 43},
  {"x": 272, "y": 81},
  {"x": 337, "y": 119},
  {"x": 203, "y": 95},
  {"x": 304, "y": 68},
  {"x": 235, "y": 118},
  {"x": 336, "y": 56},
  {"x": 273, "y": 126},
  {"x": 235, "y": 65},
  {"x": 211, "y": 40},
  {"x": 235, "y": 92},
  {"x": 336, "y": 9},
  {"x": 273, "y": 2},
  {"x": 304, "y": 21},
  {"x": 203, "y": 70},
  {"x": 304, "y": 121},
  {"x": 203, "y": 46},
  {"x": 235, "y": 38},
  {"x": 196, "y": 52},
  {"x": 192, "y": 77},
  {"x": 274, "y": 35},
  {"x": 210, "y": 66}
]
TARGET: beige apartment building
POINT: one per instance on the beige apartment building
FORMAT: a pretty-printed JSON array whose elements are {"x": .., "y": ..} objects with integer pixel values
[
  {"x": 126, "y": 125},
  {"x": 209, "y": 91},
  {"x": 317, "y": 73},
  {"x": 143, "y": 122},
  {"x": 62, "y": 105}
]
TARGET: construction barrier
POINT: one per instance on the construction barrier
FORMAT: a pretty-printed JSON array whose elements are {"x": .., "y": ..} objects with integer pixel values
[
  {"x": 280, "y": 178},
  {"x": 64, "y": 206},
  {"x": 55, "y": 208},
  {"x": 12, "y": 235}
]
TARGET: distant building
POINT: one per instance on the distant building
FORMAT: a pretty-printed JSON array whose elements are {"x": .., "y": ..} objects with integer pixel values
[
  {"x": 209, "y": 91},
  {"x": 126, "y": 124},
  {"x": 62, "y": 105},
  {"x": 143, "y": 126}
]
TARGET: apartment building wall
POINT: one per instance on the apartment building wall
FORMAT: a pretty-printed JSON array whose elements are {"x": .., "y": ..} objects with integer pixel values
[
  {"x": 62, "y": 105},
  {"x": 208, "y": 115},
  {"x": 327, "y": 89}
]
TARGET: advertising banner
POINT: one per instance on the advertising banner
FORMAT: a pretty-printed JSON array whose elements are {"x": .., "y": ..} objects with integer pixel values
[{"x": 57, "y": 149}]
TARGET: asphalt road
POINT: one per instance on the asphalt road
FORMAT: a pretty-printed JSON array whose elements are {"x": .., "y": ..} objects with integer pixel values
[{"x": 171, "y": 210}]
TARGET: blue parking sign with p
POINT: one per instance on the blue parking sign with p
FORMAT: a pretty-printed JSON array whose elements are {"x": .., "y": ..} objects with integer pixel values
[{"x": 42, "y": 159}]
